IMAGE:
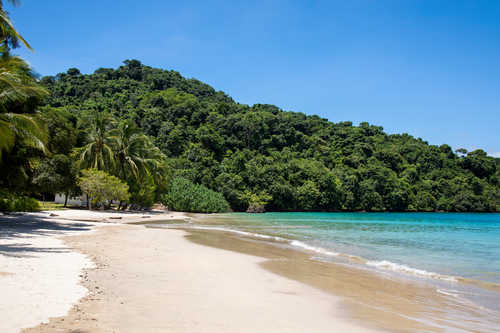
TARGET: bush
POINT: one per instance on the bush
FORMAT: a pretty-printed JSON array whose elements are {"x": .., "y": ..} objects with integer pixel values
[
  {"x": 101, "y": 187},
  {"x": 183, "y": 195},
  {"x": 18, "y": 203}
]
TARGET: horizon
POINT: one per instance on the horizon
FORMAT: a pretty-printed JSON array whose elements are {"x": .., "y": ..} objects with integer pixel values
[{"x": 429, "y": 64}]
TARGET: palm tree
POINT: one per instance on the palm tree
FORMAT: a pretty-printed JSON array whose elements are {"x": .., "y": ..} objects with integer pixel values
[
  {"x": 17, "y": 83},
  {"x": 134, "y": 151},
  {"x": 17, "y": 87},
  {"x": 98, "y": 153},
  {"x": 9, "y": 36}
]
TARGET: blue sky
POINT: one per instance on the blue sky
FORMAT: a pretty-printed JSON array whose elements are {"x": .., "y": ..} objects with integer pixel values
[{"x": 425, "y": 67}]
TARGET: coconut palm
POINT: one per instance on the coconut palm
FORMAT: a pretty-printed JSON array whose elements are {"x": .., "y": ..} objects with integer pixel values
[
  {"x": 17, "y": 83},
  {"x": 101, "y": 139},
  {"x": 135, "y": 152},
  {"x": 17, "y": 87},
  {"x": 9, "y": 36}
]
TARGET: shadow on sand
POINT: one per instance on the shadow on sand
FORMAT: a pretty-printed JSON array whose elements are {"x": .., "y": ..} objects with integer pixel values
[{"x": 23, "y": 227}]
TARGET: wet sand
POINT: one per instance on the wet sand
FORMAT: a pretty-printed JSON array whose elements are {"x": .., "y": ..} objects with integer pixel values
[
  {"x": 147, "y": 279},
  {"x": 150, "y": 280},
  {"x": 379, "y": 301}
]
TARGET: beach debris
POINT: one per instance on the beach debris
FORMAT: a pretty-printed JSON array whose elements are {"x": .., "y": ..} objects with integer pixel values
[
  {"x": 145, "y": 216},
  {"x": 52, "y": 214},
  {"x": 115, "y": 217}
]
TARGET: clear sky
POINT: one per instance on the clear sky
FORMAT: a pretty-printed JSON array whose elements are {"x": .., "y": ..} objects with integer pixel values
[{"x": 430, "y": 68}]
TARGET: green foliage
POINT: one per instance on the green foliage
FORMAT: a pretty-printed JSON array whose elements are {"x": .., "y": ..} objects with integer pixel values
[
  {"x": 299, "y": 162},
  {"x": 185, "y": 196},
  {"x": 101, "y": 137},
  {"x": 17, "y": 203},
  {"x": 256, "y": 201},
  {"x": 142, "y": 191},
  {"x": 102, "y": 187},
  {"x": 57, "y": 174}
]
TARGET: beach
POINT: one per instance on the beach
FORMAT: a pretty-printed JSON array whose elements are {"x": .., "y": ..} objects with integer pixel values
[
  {"x": 88, "y": 271},
  {"x": 136, "y": 279}
]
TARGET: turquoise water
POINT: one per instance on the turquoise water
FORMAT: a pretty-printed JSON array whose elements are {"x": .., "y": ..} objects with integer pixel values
[
  {"x": 456, "y": 254},
  {"x": 435, "y": 245}
]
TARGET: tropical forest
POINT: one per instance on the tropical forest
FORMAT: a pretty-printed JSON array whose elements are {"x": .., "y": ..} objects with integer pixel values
[{"x": 134, "y": 136}]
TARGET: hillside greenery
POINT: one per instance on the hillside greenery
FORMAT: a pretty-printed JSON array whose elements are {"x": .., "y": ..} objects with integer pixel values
[
  {"x": 254, "y": 155},
  {"x": 183, "y": 195}
]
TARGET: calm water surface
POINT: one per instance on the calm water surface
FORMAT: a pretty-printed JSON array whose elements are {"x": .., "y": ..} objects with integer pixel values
[
  {"x": 443, "y": 245},
  {"x": 458, "y": 253}
]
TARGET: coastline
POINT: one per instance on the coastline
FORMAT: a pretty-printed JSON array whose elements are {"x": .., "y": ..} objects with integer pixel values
[
  {"x": 178, "y": 279},
  {"x": 150, "y": 280}
]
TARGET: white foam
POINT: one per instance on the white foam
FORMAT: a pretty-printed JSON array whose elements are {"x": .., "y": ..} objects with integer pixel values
[
  {"x": 313, "y": 248},
  {"x": 447, "y": 293},
  {"x": 388, "y": 265},
  {"x": 383, "y": 264},
  {"x": 239, "y": 232}
]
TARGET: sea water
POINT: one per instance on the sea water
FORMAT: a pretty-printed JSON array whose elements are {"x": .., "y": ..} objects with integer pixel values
[{"x": 459, "y": 252}]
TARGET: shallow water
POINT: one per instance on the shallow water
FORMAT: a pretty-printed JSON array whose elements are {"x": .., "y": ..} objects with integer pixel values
[
  {"x": 457, "y": 254},
  {"x": 466, "y": 245}
]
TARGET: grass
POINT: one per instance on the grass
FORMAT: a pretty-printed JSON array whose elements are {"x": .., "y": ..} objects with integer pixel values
[{"x": 48, "y": 205}]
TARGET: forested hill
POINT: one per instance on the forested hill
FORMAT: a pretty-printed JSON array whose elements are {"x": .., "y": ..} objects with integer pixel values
[{"x": 282, "y": 160}]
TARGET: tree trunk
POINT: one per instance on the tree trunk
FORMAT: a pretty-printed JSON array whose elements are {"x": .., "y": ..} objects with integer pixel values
[{"x": 66, "y": 200}]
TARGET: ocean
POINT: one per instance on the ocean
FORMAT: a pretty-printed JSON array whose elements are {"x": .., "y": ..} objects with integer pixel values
[{"x": 457, "y": 253}]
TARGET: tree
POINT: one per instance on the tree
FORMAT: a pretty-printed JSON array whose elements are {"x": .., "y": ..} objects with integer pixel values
[
  {"x": 9, "y": 36},
  {"x": 57, "y": 174},
  {"x": 303, "y": 162},
  {"x": 134, "y": 151},
  {"x": 17, "y": 88},
  {"x": 101, "y": 138},
  {"x": 101, "y": 187}
]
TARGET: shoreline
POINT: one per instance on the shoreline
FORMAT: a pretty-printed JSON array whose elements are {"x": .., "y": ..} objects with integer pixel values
[
  {"x": 161, "y": 282},
  {"x": 418, "y": 302},
  {"x": 187, "y": 280}
]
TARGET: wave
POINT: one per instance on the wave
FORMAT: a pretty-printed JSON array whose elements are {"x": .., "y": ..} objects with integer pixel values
[
  {"x": 381, "y": 265},
  {"x": 391, "y": 266},
  {"x": 239, "y": 232},
  {"x": 308, "y": 247}
]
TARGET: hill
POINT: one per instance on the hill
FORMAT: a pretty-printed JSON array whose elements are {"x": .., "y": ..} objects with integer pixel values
[{"x": 261, "y": 155}]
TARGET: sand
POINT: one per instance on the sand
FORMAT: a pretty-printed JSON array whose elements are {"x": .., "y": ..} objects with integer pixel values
[
  {"x": 40, "y": 274},
  {"x": 85, "y": 271},
  {"x": 149, "y": 280}
]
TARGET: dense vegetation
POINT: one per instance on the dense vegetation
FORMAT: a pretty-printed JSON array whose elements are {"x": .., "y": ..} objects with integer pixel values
[
  {"x": 46, "y": 150},
  {"x": 146, "y": 135},
  {"x": 182, "y": 195},
  {"x": 261, "y": 156},
  {"x": 23, "y": 135}
]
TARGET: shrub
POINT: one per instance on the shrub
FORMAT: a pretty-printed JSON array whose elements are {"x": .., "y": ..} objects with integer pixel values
[
  {"x": 17, "y": 203},
  {"x": 183, "y": 195}
]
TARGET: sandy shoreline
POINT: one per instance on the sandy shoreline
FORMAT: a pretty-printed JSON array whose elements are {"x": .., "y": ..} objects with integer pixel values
[
  {"x": 147, "y": 280},
  {"x": 39, "y": 273},
  {"x": 131, "y": 278}
]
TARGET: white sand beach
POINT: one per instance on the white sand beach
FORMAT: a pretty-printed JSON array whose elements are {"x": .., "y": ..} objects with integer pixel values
[{"x": 128, "y": 278}]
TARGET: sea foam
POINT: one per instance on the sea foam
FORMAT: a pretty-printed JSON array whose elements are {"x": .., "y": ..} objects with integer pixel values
[
  {"x": 391, "y": 266},
  {"x": 308, "y": 247},
  {"x": 383, "y": 264}
]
